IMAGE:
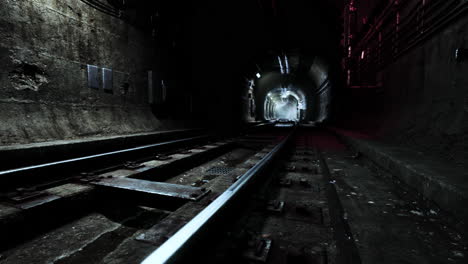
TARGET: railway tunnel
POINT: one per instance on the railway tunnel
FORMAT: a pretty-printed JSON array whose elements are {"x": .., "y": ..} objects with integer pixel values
[{"x": 249, "y": 131}]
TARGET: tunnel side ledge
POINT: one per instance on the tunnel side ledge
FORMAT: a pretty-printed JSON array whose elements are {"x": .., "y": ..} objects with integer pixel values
[{"x": 436, "y": 181}]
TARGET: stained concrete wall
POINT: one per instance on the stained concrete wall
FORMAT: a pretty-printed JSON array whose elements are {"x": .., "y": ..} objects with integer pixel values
[
  {"x": 423, "y": 103},
  {"x": 45, "y": 46},
  {"x": 428, "y": 90},
  {"x": 319, "y": 74}
]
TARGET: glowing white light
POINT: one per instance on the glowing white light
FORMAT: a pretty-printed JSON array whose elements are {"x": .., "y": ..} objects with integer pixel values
[
  {"x": 287, "y": 63},
  {"x": 258, "y": 75},
  {"x": 284, "y": 103},
  {"x": 251, "y": 84},
  {"x": 281, "y": 65}
]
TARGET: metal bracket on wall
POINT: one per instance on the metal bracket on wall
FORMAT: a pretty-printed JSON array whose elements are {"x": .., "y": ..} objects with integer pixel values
[
  {"x": 93, "y": 76},
  {"x": 150, "y": 87},
  {"x": 461, "y": 54},
  {"x": 107, "y": 80}
]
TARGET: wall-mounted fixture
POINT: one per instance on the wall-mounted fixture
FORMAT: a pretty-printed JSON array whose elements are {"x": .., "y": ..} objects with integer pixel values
[
  {"x": 280, "y": 62},
  {"x": 93, "y": 76},
  {"x": 284, "y": 65},
  {"x": 163, "y": 91},
  {"x": 150, "y": 87},
  {"x": 108, "y": 80},
  {"x": 461, "y": 54}
]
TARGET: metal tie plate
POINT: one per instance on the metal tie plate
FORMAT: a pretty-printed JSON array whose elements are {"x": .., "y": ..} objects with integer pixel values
[
  {"x": 259, "y": 250},
  {"x": 162, "y": 157},
  {"x": 156, "y": 188}
]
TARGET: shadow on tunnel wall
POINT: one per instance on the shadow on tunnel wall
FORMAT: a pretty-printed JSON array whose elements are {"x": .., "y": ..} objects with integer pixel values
[{"x": 417, "y": 95}]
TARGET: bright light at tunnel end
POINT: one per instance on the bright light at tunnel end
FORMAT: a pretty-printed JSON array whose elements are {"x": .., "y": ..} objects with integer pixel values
[{"x": 285, "y": 104}]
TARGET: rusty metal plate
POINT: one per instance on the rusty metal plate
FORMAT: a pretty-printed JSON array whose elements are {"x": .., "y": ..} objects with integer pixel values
[
  {"x": 22, "y": 197},
  {"x": 162, "y": 157},
  {"x": 275, "y": 206},
  {"x": 38, "y": 202},
  {"x": 133, "y": 165},
  {"x": 156, "y": 188},
  {"x": 259, "y": 250}
]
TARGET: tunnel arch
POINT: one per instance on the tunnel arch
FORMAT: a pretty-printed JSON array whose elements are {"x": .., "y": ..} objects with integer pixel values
[
  {"x": 285, "y": 104},
  {"x": 306, "y": 77}
]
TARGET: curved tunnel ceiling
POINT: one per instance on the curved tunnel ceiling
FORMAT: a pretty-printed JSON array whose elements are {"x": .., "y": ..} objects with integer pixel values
[
  {"x": 299, "y": 57},
  {"x": 292, "y": 86},
  {"x": 285, "y": 104}
]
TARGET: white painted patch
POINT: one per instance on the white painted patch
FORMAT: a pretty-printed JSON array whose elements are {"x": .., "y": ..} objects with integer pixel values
[{"x": 416, "y": 212}]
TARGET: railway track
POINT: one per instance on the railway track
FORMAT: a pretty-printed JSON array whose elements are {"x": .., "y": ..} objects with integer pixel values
[{"x": 277, "y": 195}]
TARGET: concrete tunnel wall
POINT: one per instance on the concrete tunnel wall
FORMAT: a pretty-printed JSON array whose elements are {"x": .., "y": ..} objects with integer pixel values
[
  {"x": 319, "y": 74},
  {"x": 430, "y": 97},
  {"x": 45, "y": 47},
  {"x": 423, "y": 99}
]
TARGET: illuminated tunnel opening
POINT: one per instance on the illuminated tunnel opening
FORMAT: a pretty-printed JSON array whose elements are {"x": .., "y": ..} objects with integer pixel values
[
  {"x": 286, "y": 104},
  {"x": 294, "y": 86}
]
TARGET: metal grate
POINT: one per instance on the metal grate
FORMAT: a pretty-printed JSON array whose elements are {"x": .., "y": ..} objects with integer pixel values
[{"x": 219, "y": 170}]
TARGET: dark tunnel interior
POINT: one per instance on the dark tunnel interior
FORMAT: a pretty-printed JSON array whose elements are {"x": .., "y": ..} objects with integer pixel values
[
  {"x": 227, "y": 46},
  {"x": 124, "y": 123}
]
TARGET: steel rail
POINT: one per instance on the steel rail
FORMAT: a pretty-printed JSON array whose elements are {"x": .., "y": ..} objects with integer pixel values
[
  {"x": 90, "y": 157},
  {"x": 182, "y": 239}
]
